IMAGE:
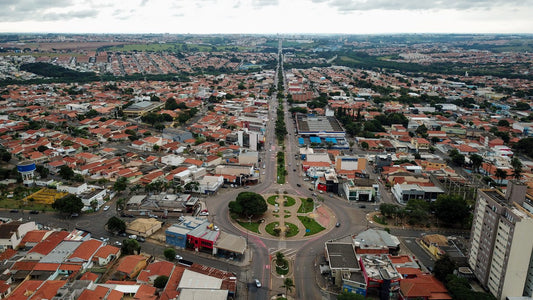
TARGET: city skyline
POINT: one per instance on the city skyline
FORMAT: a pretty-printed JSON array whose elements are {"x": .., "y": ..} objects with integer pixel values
[{"x": 266, "y": 16}]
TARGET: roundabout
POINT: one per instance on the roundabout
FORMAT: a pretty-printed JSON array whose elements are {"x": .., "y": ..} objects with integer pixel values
[{"x": 289, "y": 217}]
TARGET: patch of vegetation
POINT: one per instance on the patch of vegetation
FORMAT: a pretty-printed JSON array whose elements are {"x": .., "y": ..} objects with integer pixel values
[
  {"x": 50, "y": 70},
  {"x": 253, "y": 226},
  {"x": 292, "y": 229},
  {"x": 310, "y": 224},
  {"x": 287, "y": 216},
  {"x": 270, "y": 228},
  {"x": 379, "y": 219},
  {"x": 272, "y": 200},
  {"x": 306, "y": 206},
  {"x": 289, "y": 201}
]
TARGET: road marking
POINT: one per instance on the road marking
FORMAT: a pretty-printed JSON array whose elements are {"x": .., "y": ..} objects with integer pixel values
[
  {"x": 267, "y": 267},
  {"x": 287, "y": 252}
]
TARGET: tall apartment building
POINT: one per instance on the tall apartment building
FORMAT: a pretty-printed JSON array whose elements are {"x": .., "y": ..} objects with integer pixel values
[{"x": 501, "y": 241}]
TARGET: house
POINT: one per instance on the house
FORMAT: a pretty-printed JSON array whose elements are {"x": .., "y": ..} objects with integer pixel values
[
  {"x": 84, "y": 253},
  {"x": 106, "y": 254},
  {"x": 43, "y": 248},
  {"x": 425, "y": 287},
  {"x": 11, "y": 233},
  {"x": 34, "y": 237},
  {"x": 130, "y": 266},
  {"x": 420, "y": 144},
  {"x": 153, "y": 270},
  {"x": 143, "y": 227}
]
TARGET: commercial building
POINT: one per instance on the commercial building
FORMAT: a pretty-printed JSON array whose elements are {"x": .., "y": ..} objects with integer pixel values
[{"x": 501, "y": 247}]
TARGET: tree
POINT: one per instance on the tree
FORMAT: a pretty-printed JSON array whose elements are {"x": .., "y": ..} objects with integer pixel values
[
  {"x": 364, "y": 145},
  {"x": 43, "y": 172},
  {"x": 5, "y": 155},
  {"x": 170, "y": 254},
  {"x": 115, "y": 224},
  {"x": 130, "y": 246},
  {"x": 121, "y": 204},
  {"x": 161, "y": 281},
  {"x": 388, "y": 209},
  {"x": 69, "y": 204},
  {"x": 350, "y": 296},
  {"x": 456, "y": 157},
  {"x": 191, "y": 186},
  {"x": 500, "y": 174},
  {"x": 288, "y": 285},
  {"x": 517, "y": 167},
  {"x": 524, "y": 146},
  {"x": 66, "y": 172},
  {"x": 121, "y": 184},
  {"x": 94, "y": 204},
  {"x": 476, "y": 160},
  {"x": 451, "y": 209},
  {"x": 503, "y": 123},
  {"x": 42, "y": 148},
  {"x": 248, "y": 204},
  {"x": 443, "y": 267},
  {"x": 171, "y": 104}
]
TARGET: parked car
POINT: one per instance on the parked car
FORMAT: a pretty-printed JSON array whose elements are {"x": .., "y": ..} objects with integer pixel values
[
  {"x": 204, "y": 213},
  {"x": 298, "y": 185},
  {"x": 132, "y": 236},
  {"x": 338, "y": 224},
  {"x": 123, "y": 234},
  {"x": 106, "y": 207},
  {"x": 34, "y": 212},
  {"x": 117, "y": 243},
  {"x": 178, "y": 257},
  {"x": 141, "y": 239},
  {"x": 257, "y": 283},
  {"x": 362, "y": 206},
  {"x": 14, "y": 211},
  {"x": 74, "y": 215}
]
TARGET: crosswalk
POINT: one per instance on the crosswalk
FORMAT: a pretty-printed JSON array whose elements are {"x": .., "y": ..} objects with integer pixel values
[{"x": 289, "y": 253}]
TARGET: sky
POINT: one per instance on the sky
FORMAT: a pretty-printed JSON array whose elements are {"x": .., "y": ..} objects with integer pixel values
[{"x": 267, "y": 16}]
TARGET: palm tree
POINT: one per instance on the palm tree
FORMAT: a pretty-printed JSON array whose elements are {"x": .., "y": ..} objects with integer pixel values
[
  {"x": 476, "y": 160},
  {"x": 280, "y": 258},
  {"x": 500, "y": 174},
  {"x": 288, "y": 284},
  {"x": 517, "y": 167}
]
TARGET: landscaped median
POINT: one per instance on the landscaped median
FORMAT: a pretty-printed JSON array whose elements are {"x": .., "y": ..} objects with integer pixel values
[{"x": 311, "y": 226}]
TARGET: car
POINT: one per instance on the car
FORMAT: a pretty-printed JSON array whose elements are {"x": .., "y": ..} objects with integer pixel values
[
  {"x": 246, "y": 187},
  {"x": 216, "y": 228},
  {"x": 106, "y": 207},
  {"x": 314, "y": 194},
  {"x": 257, "y": 283},
  {"x": 298, "y": 185},
  {"x": 14, "y": 211},
  {"x": 34, "y": 212},
  {"x": 117, "y": 243},
  {"x": 294, "y": 170},
  {"x": 141, "y": 239},
  {"x": 104, "y": 239},
  {"x": 132, "y": 236},
  {"x": 311, "y": 189},
  {"x": 74, "y": 215},
  {"x": 338, "y": 224},
  {"x": 204, "y": 214},
  {"x": 178, "y": 257},
  {"x": 123, "y": 234},
  {"x": 362, "y": 206},
  {"x": 321, "y": 192},
  {"x": 264, "y": 173}
]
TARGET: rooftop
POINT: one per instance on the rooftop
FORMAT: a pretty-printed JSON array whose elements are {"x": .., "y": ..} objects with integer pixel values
[{"x": 342, "y": 256}]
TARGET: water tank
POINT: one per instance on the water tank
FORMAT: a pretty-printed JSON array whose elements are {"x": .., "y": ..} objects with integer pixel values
[{"x": 26, "y": 167}]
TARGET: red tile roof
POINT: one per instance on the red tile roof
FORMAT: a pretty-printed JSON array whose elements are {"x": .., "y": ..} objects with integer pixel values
[
  {"x": 425, "y": 286},
  {"x": 105, "y": 251},
  {"x": 49, "y": 243},
  {"x": 86, "y": 250},
  {"x": 25, "y": 290},
  {"x": 48, "y": 290}
]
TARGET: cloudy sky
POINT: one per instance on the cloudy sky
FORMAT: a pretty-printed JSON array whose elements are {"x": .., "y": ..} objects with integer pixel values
[{"x": 267, "y": 16}]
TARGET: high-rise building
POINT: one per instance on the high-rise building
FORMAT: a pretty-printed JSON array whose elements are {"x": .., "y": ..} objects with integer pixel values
[{"x": 501, "y": 242}]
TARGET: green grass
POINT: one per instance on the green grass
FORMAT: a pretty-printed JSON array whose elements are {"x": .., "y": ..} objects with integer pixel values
[
  {"x": 287, "y": 216},
  {"x": 19, "y": 204},
  {"x": 310, "y": 224},
  {"x": 306, "y": 206},
  {"x": 270, "y": 228},
  {"x": 272, "y": 200},
  {"x": 293, "y": 229},
  {"x": 379, "y": 219},
  {"x": 253, "y": 227},
  {"x": 289, "y": 201}
]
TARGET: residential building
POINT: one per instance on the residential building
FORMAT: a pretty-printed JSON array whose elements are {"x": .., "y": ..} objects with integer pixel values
[{"x": 501, "y": 248}]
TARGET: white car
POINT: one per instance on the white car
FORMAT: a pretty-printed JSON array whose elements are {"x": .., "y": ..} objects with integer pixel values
[
  {"x": 178, "y": 257},
  {"x": 106, "y": 207},
  {"x": 257, "y": 283},
  {"x": 204, "y": 213}
]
